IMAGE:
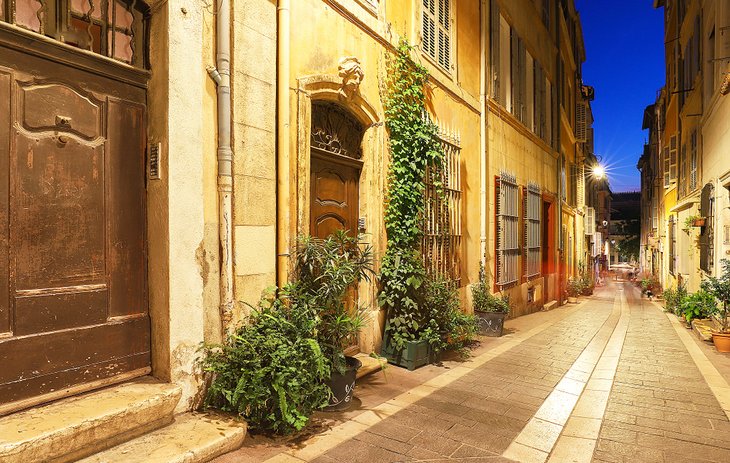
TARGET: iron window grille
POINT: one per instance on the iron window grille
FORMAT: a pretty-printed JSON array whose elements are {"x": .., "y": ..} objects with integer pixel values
[
  {"x": 507, "y": 233},
  {"x": 672, "y": 245},
  {"x": 441, "y": 247}
]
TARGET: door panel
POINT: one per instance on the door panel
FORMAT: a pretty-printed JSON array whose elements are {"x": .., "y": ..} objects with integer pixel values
[
  {"x": 58, "y": 211},
  {"x": 334, "y": 197},
  {"x": 72, "y": 230},
  {"x": 126, "y": 252},
  {"x": 4, "y": 201}
]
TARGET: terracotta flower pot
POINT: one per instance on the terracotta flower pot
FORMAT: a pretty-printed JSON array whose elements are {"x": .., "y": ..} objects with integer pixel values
[{"x": 721, "y": 341}]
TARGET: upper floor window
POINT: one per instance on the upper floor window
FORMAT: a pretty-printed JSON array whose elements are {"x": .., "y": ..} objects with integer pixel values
[
  {"x": 113, "y": 28},
  {"x": 436, "y": 31}
]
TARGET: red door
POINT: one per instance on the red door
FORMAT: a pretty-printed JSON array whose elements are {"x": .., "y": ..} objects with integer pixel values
[{"x": 73, "y": 302}]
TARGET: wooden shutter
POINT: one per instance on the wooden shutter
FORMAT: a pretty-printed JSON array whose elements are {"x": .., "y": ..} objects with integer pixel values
[
  {"x": 514, "y": 74},
  {"x": 494, "y": 48},
  {"x": 673, "y": 158},
  {"x": 428, "y": 30},
  {"x": 581, "y": 117},
  {"x": 705, "y": 231},
  {"x": 444, "y": 33},
  {"x": 590, "y": 221}
]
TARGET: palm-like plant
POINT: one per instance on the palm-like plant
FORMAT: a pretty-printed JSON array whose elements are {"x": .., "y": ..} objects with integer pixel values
[{"x": 326, "y": 272}]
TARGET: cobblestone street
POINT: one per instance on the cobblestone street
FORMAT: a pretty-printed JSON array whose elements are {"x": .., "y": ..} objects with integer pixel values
[{"x": 612, "y": 379}]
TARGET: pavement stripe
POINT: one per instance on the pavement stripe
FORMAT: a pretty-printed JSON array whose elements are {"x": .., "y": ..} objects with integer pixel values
[
  {"x": 540, "y": 435},
  {"x": 717, "y": 383},
  {"x": 323, "y": 442},
  {"x": 578, "y": 440}
]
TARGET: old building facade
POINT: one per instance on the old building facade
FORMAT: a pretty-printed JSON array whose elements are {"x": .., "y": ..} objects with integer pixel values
[
  {"x": 208, "y": 137},
  {"x": 685, "y": 163}
]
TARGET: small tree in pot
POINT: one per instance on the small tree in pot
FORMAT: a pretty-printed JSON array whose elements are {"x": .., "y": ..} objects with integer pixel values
[
  {"x": 720, "y": 289},
  {"x": 326, "y": 272},
  {"x": 489, "y": 309},
  {"x": 574, "y": 289}
]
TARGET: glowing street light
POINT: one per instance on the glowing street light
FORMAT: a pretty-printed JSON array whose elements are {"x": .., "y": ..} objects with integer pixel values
[{"x": 599, "y": 171}]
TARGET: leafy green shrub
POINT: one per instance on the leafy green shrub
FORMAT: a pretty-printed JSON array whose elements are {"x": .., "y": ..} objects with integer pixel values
[
  {"x": 673, "y": 298},
  {"x": 414, "y": 146},
  {"x": 325, "y": 271},
  {"x": 270, "y": 371},
  {"x": 697, "y": 305},
  {"x": 447, "y": 327},
  {"x": 574, "y": 287},
  {"x": 720, "y": 289},
  {"x": 482, "y": 298}
]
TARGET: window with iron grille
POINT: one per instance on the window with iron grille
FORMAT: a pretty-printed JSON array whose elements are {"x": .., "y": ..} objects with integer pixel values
[
  {"x": 706, "y": 238},
  {"x": 436, "y": 31},
  {"x": 508, "y": 230},
  {"x": 113, "y": 28},
  {"x": 441, "y": 246},
  {"x": 532, "y": 208}
]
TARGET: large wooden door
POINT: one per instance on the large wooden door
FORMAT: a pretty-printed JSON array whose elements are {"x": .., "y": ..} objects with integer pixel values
[
  {"x": 334, "y": 195},
  {"x": 73, "y": 303}
]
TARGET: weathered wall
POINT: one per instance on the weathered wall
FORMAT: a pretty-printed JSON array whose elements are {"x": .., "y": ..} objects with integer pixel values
[{"x": 253, "y": 82}]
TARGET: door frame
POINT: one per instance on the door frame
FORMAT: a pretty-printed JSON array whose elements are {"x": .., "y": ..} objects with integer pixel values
[{"x": 372, "y": 183}]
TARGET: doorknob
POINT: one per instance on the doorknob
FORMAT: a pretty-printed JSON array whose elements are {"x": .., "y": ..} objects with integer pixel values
[{"x": 63, "y": 121}]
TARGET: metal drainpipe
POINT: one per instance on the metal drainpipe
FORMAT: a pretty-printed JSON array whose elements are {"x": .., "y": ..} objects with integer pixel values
[
  {"x": 282, "y": 158},
  {"x": 221, "y": 74},
  {"x": 483, "y": 132},
  {"x": 558, "y": 124}
]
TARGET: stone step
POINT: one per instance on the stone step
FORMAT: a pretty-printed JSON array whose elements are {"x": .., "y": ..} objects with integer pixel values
[
  {"x": 369, "y": 364},
  {"x": 79, "y": 426},
  {"x": 191, "y": 438}
]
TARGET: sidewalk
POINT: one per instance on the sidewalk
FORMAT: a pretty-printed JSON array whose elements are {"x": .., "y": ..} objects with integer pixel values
[{"x": 543, "y": 392}]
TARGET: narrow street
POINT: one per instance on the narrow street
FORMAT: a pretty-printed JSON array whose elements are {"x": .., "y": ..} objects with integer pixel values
[{"x": 611, "y": 379}]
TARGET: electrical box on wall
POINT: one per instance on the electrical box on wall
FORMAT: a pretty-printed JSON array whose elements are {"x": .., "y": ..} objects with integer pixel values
[{"x": 154, "y": 154}]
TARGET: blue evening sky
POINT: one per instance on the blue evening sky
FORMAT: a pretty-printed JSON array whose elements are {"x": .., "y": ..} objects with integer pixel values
[{"x": 625, "y": 63}]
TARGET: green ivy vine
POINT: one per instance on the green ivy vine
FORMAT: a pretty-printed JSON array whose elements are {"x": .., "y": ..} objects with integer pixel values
[{"x": 414, "y": 146}]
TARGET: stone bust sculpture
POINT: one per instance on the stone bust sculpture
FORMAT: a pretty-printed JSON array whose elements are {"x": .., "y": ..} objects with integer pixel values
[{"x": 351, "y": 73}]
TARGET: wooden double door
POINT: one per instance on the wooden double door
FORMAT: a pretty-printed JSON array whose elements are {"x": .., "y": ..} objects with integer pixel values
[
  {"x": 335, "y": 194},
  {"x": 73, "y": 299}
]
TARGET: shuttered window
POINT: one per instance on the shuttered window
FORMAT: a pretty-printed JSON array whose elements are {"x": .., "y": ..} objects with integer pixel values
[
  {"x": 494, "y": 24},
  {"x": 693, "y": 161},
  {"x": 532, "y": 211},
  {"x": 666, "y": 168},
  {"x": 507, "y": 233},
  {"x": 519, "y": 76},
  {"x": 581, "y": 121},
  {"x": 590, "y": 221},
  {"x": 436, "y": 31},
  {"x": 673, "y": 158},
  {"x": 707, "y": 233},
  {"x": 672, "y": 245}
]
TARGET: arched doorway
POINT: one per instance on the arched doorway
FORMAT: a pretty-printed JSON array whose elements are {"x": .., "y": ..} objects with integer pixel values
[
  {"x": 336, "y": 164},
  {"x": 73, "y": 286}
]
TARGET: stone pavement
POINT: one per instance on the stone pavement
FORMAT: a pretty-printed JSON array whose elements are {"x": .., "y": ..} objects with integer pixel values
[{"x": 611, "y": 379}]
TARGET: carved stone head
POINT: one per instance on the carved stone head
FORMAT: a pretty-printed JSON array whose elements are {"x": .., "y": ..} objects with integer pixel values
[{"x": 352, "y": 74}]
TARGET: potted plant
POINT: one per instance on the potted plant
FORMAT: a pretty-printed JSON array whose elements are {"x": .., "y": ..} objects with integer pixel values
[
  {"x": 489, "y": 309},
  {"x": 574, "y": 288},
  {"x": 326, "y": 273},
  {"x": 695, "y": 221},
  {"x": 697, "y": 305},
  {"x": 720, "y": 289}
]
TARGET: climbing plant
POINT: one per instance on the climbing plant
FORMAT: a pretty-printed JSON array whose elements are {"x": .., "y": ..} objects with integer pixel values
[{"x": 414, "y": 146}]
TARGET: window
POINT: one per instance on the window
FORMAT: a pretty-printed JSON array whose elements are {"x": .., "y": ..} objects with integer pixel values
[
  {"x": 507, "y": 233},
  {"x": 707, "y": 235},
  {"x": 666, "y": 168},
  {"x": 494, "y": 46},
  {"x": 673, "y": 158},
  {"x": 590, "y": 221},
  {"x": 693, "y": 161},
  {"x": 540, "y": 103},
  {"x": 532, "y": 210},
  {"x": 682, "y": 186},
  {"x": 672, "y": 244},
  {"x": 518, "y": 76},
  {"x": 113, "y": 28},
  {"x": 441, "y": 247},
  {"x": 436, "y": 31}
]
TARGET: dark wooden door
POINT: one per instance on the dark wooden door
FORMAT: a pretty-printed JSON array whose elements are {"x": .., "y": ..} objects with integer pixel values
[
  {"x": 334, "y": 196},
  {"x": 73, "y": 303}
]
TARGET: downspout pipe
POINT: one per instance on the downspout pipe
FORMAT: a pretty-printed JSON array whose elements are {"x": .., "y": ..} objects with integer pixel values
[
  {"x": 283, "y": 208},
  {"x": 483, "y": 132},
  {"x": 221, "y": 75}
]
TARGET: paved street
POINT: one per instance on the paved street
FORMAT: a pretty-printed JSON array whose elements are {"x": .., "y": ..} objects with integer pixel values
[{"x": 612, "y": 379}]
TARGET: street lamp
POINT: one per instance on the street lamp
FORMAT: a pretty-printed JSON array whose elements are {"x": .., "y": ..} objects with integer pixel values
[{"x": 599, "y": 171}]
